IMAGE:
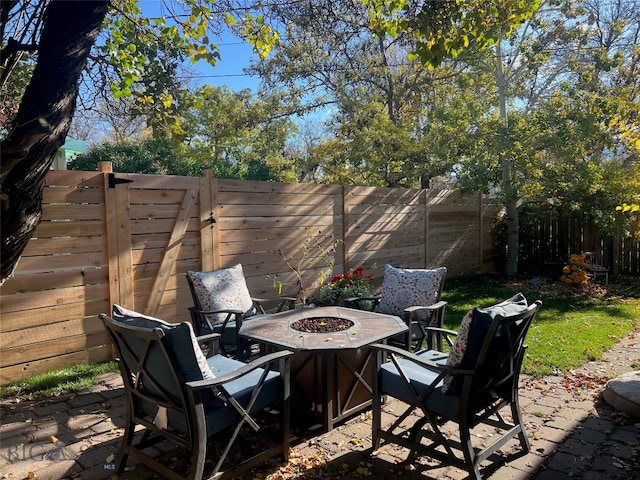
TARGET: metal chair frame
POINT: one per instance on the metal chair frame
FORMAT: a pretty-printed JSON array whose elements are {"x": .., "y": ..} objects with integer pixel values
[
  {"x": 240, "y": 348},
  {"x": 487, "y": 388},
  {"x": 419, "y": 325},
  {"x": 141, "y": 350}
]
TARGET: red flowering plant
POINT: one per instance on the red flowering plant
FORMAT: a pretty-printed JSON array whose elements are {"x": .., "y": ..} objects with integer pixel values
[{"x": 353, "y": 283}]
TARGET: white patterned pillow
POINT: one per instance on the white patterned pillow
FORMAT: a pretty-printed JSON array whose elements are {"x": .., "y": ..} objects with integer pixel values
[
  {"x": 224, "y": 289},
  {"x": 136, "y": 319},
  {"x": 404, "y": 287},
  {"x": 459, "y": 348}
]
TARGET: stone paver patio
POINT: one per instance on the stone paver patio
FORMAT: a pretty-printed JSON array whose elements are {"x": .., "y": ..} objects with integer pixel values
[{"x": 573, "y": 435}]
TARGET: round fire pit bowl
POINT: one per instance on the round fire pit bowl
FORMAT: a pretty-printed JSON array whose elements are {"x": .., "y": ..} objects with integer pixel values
[{"x": 322, "y": 324}]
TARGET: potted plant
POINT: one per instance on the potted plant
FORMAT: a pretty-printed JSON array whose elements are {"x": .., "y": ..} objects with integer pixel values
[{"x": 353, "y": 283}]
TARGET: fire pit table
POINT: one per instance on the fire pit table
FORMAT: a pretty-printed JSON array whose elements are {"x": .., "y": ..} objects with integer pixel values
[{"x": 331, "y": 365}]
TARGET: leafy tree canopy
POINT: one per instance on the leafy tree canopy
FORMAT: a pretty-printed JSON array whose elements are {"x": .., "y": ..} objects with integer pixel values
[{"x": 446, "y": 28}]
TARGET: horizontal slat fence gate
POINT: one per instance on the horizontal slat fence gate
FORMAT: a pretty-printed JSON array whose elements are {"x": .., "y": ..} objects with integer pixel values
[{"x": 129, "y": 239}]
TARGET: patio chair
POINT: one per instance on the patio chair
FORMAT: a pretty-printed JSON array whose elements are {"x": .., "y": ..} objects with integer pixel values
[
  {"x": 449, "y": 395},
  {"x": 222, "y": 302},
  {"x": 175, "y": 394},
  {"x": 595, "y": 269},
  {"x": 414, "y": 295}
]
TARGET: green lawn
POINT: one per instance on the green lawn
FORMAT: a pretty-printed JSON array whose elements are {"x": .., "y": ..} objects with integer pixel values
[
  {"x": 573, "y": 325},
  {"x": 57, "y": 382}
]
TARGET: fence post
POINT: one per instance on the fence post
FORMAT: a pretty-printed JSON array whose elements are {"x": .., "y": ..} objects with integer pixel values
[
  {"x": 345, "y": 226},
  {"x": 118, "y": 229},
  {"x": 424, "y": 196},
  {"x": 110, "y": 227},
  {"x": 481, "y": 231},
  {"x": 616, "y": 240},
  {"x": 209, "y": 222}
]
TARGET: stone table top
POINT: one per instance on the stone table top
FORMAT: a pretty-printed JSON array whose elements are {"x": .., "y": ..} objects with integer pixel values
[{"x": 368, "y": 328}]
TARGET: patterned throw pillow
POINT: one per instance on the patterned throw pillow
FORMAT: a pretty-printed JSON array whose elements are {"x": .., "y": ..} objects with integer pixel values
[
  {"x": 224, "y": 289},
  {"x": 403, "y": 288},
  {"x": 471, "y": 336},
  {"x": 136, "y": 319},
  {"x": 459, "y": 348}
]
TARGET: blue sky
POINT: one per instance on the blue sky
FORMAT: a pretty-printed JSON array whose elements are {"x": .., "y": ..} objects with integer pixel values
[{"x": 235, "y": 55}]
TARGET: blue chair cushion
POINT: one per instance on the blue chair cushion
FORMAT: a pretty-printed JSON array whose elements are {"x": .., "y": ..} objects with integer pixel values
[
  {"x": 219, "y": 415},
  {"x": 420, "y": 378}
]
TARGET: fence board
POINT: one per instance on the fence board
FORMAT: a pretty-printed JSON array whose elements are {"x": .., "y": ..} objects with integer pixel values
[
  {"x": 48, "y": 229},
  {"x": 72, "y": 195},
  {"x": 170, "y": 254},
  {"x": 159, "y": 240},
  {"x": 46, "y": 280},
  {"x": 69, "y": 211},
  {"x": 54, "y": 348},
  {"x": 77, "y": 245},
  {"x": 74, "y": 179},
  {"x": 66, "y": 261},
  {"x": 25, "y": 370},
  {"x": 49, "y": 332},
  {"x": 33, "y": 317},
  {"x": 52, "y": 297}
]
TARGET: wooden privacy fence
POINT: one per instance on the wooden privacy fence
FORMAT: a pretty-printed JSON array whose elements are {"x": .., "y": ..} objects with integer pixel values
[
  {"x": 549, "y": 238},
  {"x": 129, "y": 239}
]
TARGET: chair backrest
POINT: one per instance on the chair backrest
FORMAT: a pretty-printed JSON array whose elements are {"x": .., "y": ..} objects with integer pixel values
[
  {"x": 591, "y": 258},
  {"x": 223, "y": 289},
  {"x": 499, "y": 360},
  {"x": 404, "y": 287}
]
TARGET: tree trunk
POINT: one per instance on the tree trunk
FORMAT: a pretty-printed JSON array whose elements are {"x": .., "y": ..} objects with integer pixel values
[
  {"x": 70, "y": 29},
  {"x": 513, "y": 240},
  {"x": 508, "y": 189}
]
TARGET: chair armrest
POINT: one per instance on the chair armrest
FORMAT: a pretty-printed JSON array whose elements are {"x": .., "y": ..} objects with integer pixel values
[
  {"x": 289, "y": 302},
  {"x": 199, "y": 318},
  {"x": 443, "y": 331},
  {"x": 239, "y": 372},
  {"x": 354, "y": 302},
  {"x": 197, "y": 311},
  {"x": 436, "y": 306},
  {"x": 420, "y": 360},
  {"x": 212, "y": 340}
]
